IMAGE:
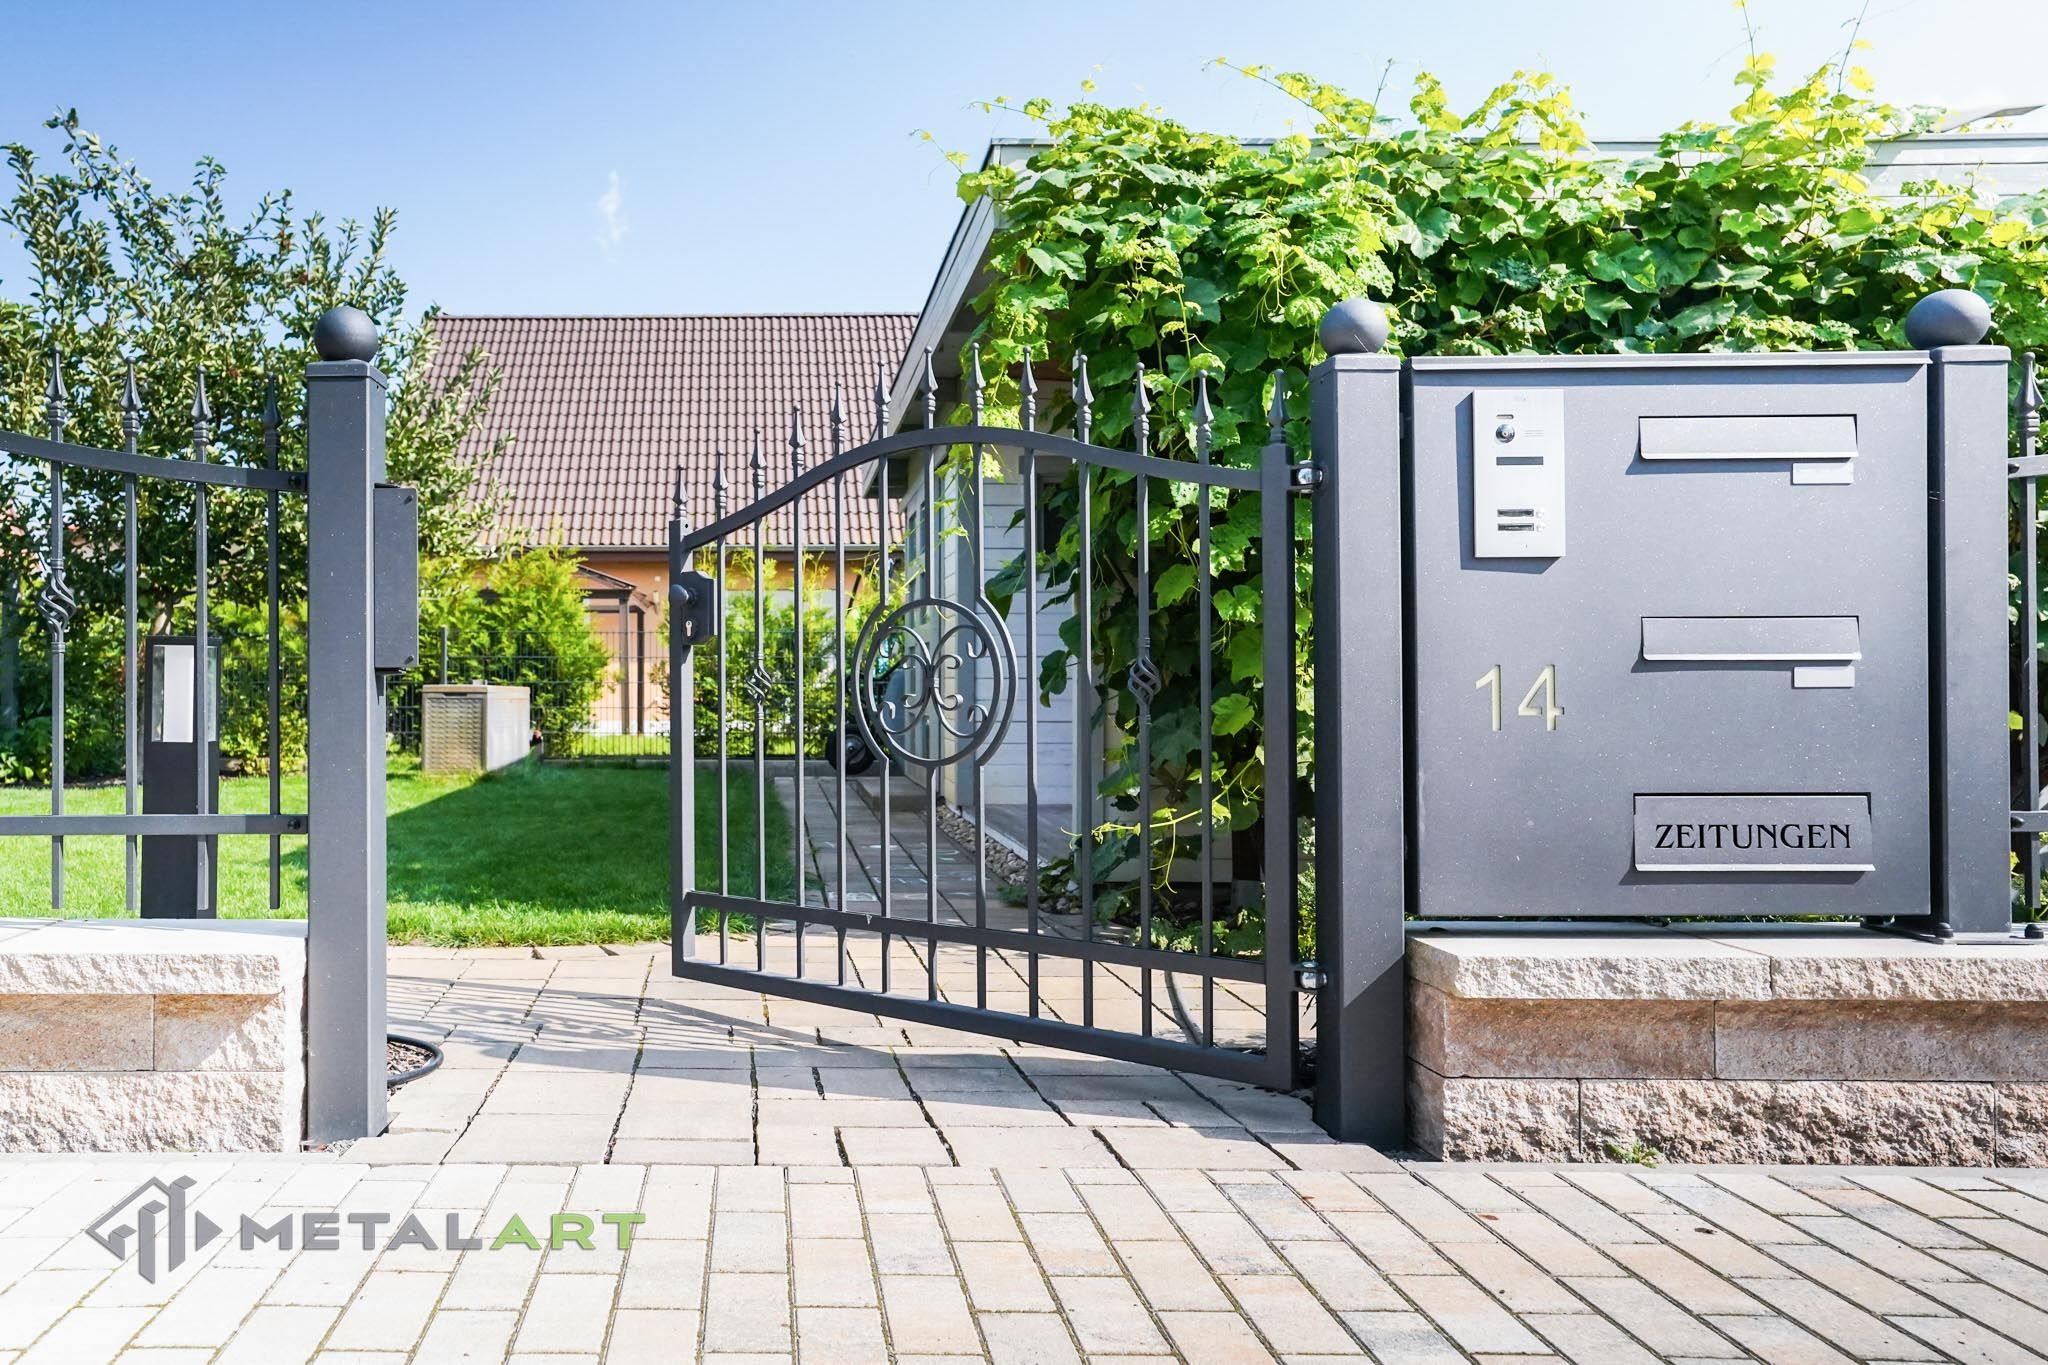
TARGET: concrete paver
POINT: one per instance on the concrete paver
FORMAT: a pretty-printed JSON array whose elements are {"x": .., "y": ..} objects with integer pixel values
[{"x": 819, "y": 1188}]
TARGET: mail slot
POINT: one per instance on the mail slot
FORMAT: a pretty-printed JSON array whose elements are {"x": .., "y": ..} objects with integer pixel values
[{"x": 1715, "y": 701}]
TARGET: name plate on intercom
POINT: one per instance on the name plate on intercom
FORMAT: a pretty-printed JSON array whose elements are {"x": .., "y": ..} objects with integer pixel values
[{"x": 1729, "y": 833}]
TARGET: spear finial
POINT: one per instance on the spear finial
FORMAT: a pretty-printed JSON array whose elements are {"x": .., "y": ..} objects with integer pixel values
[
  {"x": 1141, "y": 412},
  {"x": 1276, "y": 414},
  {"x": 760, "y": 465},
  {"x": 1205, "y": 417},
  {"x": 719, "y": 485},
  {"x": 838, "y": 417},
  {"x": 202, "y": 418},
  {"x": 796, "y": 440},
  {"x": 131, "y": 406},
  {"x": 976, "y": 393},
  {"x": 56, "y": 399},
  {"x": 2029, "y": 402},
  {"x": 1027, "y": 393},
  {"x": 930, "y": 382},
  {"x": 271, "y": 420},
  {"x": 881, "y": 400},
  {"x": 1084, "y": 399}
]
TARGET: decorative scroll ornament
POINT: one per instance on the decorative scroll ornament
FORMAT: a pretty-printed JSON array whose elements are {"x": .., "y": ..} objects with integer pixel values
[
  {"x": 935, "y": 682},
  {"x": 55, "y": 601}
]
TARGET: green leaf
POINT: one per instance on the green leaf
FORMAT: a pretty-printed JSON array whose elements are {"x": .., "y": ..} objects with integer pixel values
[{"x": 1233, "y": 711}]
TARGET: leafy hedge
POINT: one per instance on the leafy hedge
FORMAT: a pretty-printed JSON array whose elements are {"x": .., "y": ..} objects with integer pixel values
[{"x": 1134, "y": 239}]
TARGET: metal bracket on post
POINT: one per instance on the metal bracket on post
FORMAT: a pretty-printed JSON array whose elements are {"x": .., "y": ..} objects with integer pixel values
[
  {"x": 1307, "y": 478},
  {"x": 1360, "y": 968}
]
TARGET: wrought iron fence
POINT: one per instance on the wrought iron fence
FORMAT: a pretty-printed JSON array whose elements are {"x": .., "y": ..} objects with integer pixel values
[{"x": 105, "y": 476}]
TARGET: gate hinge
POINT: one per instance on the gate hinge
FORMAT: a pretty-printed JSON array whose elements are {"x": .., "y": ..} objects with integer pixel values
[
  {"x": 1308, "y": 976},
  {"x": 693, "y": 608},
  {"x": 1307, "y": 478}
]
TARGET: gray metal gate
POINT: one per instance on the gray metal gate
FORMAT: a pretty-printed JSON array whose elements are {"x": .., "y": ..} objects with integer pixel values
[{"x": 883, "y": 915}]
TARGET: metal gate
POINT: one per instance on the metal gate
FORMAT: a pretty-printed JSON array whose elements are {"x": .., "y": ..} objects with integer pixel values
[{"x": 797, "y": 651}]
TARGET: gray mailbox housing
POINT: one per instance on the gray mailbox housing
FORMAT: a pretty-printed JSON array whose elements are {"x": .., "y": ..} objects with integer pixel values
[{"x": 1765, "y": 673}]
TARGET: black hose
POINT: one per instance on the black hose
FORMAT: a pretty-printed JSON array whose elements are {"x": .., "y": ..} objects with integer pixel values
[{"x": 398, "y": 1078}]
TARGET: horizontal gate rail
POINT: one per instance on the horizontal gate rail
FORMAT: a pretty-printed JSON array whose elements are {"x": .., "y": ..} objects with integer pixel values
[
  {"x": 1017, "y": 940},
  {"x": 151, "y": 466},
  {"x": 1252, "y": 1068},
  {"x": 145, "y": 826}
]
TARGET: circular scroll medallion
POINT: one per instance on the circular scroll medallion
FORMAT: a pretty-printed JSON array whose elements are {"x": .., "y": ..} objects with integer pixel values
[{"x": 934, "y": 682}]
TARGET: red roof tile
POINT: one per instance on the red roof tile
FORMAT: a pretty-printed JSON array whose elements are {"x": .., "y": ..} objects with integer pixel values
[{"x": 602, "y": 410}]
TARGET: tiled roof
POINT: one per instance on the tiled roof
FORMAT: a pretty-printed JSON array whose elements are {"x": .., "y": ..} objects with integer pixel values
[{"x": 601, "y": 411}]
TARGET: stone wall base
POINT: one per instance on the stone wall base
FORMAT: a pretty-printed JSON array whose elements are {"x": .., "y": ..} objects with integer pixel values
[
  {"x": 1781, "y": 1044},
  {"x": 151, "y": 1035}
]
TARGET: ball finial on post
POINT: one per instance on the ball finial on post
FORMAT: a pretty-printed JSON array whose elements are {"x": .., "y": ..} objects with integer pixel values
[
  {"x": 1948, "y": 317},
  {"x": 1354, "y": 327},
  {"x": 345, "y": 333}
]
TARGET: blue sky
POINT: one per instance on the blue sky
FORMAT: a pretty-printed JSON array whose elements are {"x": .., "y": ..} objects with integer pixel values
[{"x": 616, "y": 157}]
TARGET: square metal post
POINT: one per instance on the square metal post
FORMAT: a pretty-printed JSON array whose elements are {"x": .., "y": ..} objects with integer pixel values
[
  {"x": 345, "y": 930},
  {"x": 1967, "y": 451},
  {"x": 1360, "y": 798}
]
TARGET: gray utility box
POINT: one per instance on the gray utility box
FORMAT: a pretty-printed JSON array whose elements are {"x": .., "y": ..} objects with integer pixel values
[
  {"x": 1724, "y": 693},
  {"x": 473, "y": 727}
]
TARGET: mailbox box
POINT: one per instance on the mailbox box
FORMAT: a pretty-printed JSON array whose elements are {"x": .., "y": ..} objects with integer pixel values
[{"x": 1720, "y": 695}]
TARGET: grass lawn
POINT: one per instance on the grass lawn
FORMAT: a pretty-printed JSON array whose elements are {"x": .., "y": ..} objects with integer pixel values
[{"x": 533, "y": 855}]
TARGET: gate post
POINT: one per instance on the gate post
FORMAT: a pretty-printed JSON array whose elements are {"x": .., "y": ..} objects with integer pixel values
[
  {"x": 345, "y": 911},
  {"x": 1360, "y": 796},
  {"x": 1967, "y": 481}
]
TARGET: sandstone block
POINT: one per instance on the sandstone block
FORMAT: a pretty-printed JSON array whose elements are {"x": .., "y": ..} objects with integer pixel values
[
  {"x": 224, "y": 1033},
  {"x": 144, "y": 1111},
  {"x": 152, "y": 957},
  {"x": 1586, "y": 964},
  {"x": 2022, "y": 1125},
  {"x": 1488, "y": 1119},
  {"x": 1565, "y": 1039},
  {"x": 1882, "y": 1040},
  {"x": 74, "y": 1032},
  {"x": 1793, "y": 1122}
]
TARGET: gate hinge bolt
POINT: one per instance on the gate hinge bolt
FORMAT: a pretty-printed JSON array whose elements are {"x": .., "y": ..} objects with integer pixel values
[
  {"x": 1307, "y": 478},
  {"x": 1308, "y": 976}
]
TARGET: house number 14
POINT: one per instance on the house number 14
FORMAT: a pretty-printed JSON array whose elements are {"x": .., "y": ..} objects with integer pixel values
[{"x": 1545, "y": 684}]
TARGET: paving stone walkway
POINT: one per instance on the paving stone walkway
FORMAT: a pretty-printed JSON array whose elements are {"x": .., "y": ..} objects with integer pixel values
[{"x": 834, "y": 1189}]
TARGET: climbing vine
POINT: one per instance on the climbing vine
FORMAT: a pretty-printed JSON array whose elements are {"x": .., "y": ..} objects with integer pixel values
[{"x": 1141, "y": 242}]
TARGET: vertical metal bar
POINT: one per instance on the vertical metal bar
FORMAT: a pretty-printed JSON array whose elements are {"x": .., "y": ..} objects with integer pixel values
[
  {"x": 1085, "y": 700},
  {"x": 1276, "y": 555},
  {"x": 1143, "y": 682},
  {"x": 796, "y": 523},
  {"x": 757, "y": 688},
  {"x": 844, "y": 673},
  {"x": 202, "y": 662},
  {"x": 1027, "y": 480},
  {"x": 931, "y": 589},
  {"x": 2030, "y": 630},
  {"x": 682, "y": 743},
  {"x": 882, "y": 610},
  {"x": 346, "y": 912},
  {"x": 719, "y": 507},
  {"x": 444, "y": 655},
  {"x": 1204, "y": 432},
  {"x": 131, "y": 667},
  {"x": 273, "y": 748},
  {"x": 56, "y": 604},
  {"x": 977, "y": 404}
]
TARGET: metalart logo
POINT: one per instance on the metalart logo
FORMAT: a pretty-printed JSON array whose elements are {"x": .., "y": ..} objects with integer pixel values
[
  {"x": 155, "y": 1211},
  {"x": 158, "y": 1208}
]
